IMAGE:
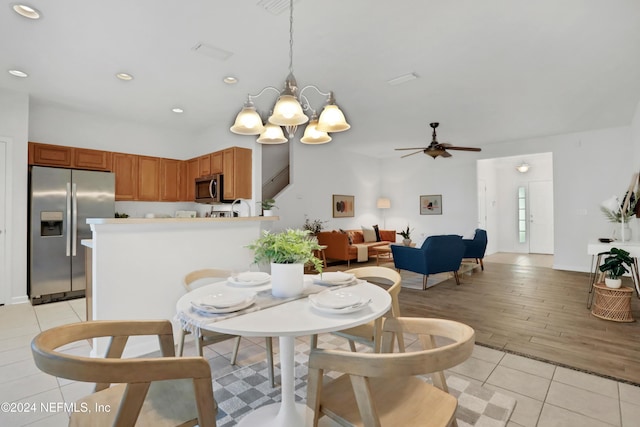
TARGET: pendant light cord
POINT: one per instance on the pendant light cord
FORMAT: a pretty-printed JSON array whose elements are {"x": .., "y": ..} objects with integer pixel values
[{"x": 291, "y": 37}]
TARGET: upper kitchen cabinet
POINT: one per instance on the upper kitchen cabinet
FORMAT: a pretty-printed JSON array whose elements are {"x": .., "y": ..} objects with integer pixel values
[
  {"x": 171, "y": 189},
  {"x": 193, "y": 172},
  {"x": 204, "y": 165},
  {"x": 50, "y": 155},
  {"x": 236, "y": 167},
  {"x": 125, "y": 167},
  {"x": 69, "y": 157},
  {"x": 216, "y": 162},
  {"x": 148, "y": 178},
  {"x": 83, "y": 158}
]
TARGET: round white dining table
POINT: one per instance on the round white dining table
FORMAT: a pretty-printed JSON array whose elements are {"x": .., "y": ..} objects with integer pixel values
[{"x": 287, "y": 321}]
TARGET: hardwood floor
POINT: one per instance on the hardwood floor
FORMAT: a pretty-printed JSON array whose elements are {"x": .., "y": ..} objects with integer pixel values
[{"x": 537, "y": 312}]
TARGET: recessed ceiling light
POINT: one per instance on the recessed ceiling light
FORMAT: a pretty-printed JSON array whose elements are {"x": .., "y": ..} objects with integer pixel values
[
  {"x": 177, "y": 110},
  {"x": 18, "y": 73},
  {"x": 26, "y": 11},
  {"x": 230, "y": 80},
  {"x": 124, "y": 76}
]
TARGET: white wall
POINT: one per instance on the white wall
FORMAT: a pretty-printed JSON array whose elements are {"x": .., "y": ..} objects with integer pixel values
[{"x": 14, "y": 118}]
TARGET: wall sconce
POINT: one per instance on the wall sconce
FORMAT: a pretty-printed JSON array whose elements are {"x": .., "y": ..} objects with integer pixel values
[
  {"x": 383, "y": 203},
  {"x": 523, "y": 168}
]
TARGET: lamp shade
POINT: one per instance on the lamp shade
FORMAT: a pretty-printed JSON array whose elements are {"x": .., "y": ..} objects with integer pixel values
[
  {"x": 248, "y": 122},
  {"x": 272, "y": 135},
  {"x": 332, "y": 119},
  {"x": 312, "y": 135},
  {"x": 384, "y": 203},
  {"x": 288, "y": 111}
]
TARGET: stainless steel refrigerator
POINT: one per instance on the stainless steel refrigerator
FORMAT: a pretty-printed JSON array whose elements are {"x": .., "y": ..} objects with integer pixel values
[{"x": 60, "y": 202}]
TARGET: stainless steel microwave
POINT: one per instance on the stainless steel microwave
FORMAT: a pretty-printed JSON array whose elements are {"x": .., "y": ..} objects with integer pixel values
[{"x": 209, "y": 189}]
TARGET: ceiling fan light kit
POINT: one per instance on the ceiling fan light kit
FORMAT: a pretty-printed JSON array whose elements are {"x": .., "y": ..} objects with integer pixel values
[
  {"x": 436, "y": 149},
  {"x": 290, "y": 111}
]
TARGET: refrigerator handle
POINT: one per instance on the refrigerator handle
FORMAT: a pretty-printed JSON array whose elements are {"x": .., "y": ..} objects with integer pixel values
[
  {"x": 74, "y": 236},
  {"x": 68, "y": 251}
]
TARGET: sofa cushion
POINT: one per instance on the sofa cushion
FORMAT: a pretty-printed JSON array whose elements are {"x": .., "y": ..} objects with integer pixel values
[
  {"x": 356, "y": 236},
  {"x": 369, "y": 234},
  {"x": 376, "y": 229},
  {"x": 348, "y": 236}
]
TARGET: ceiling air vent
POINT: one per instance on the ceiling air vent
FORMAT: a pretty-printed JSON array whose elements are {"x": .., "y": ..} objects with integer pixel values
[
  {"x": 275, "y": 7},
  {"x": 212, "y": 51}
]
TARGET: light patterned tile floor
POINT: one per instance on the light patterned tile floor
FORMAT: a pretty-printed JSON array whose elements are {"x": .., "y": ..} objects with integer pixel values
[{"x": 547, "y": 395}]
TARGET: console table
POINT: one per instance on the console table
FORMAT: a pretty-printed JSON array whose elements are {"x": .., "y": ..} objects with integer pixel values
[{"x": 595, "y": 247}]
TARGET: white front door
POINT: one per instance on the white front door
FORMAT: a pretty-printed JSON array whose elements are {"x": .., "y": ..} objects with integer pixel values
[
  {"x": 541, "y": 217},
  {"x": 4, "y": 279}
]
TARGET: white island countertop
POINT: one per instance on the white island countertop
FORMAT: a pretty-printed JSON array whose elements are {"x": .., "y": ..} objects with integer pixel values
[{"x": 178, "y": 220}]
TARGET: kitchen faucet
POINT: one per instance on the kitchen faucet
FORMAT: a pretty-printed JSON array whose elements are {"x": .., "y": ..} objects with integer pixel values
[{"x": 238, "y": 201}]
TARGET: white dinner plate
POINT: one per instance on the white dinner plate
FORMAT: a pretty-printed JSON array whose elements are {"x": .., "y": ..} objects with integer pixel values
[
  {"x": 334, "y": 278},
  {"x": 348, "y": 309},
  {"x": 250, "y": 278},
  {"x": 202, "y": 306},
  {"x": 224, "y": 298},
  {"x": 335, "y": 299}
]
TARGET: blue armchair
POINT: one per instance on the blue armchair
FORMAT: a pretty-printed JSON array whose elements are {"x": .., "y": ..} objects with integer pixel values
[
  {"x": 438, "y": 254},
  {"x": 475, "y": 248}
]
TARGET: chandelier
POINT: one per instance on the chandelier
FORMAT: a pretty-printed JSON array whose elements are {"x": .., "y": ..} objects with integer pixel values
[{"x": 290, "y": 111}]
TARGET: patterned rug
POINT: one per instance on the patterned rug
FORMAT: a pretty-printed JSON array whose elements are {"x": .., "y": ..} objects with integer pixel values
[{"x": 248, "y": 388}]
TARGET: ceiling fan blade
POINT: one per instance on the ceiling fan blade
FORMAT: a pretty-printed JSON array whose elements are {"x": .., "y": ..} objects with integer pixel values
[
  {"x": 445, "y": 154},
  {"x": 407, "y": 155},
  {"x": 464, "y": 148},
  {"x": 415, "y": 148}
]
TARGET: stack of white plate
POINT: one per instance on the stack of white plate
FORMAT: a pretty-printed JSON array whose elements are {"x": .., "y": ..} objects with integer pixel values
[
  {"x": 337, "y": 302},
  {"x": 224, "y": 301},
  {"x": 334, "y": 278},
  {"x": 249, "y": 278}
]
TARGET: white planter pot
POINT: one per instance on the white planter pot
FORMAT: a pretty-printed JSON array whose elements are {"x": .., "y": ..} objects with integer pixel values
[
  {"x": 287, "y": 280},
  {"x": 612, "y": 283},
  {"x": 267, "y": 212},
  {"x": 406, "y": 242}
]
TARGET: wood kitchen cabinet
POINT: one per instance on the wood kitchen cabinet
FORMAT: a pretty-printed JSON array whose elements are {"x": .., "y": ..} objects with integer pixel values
[
  {"x": 216, "y": 162},
  {"x": 170, "y": 180},
  {"x": 69, "y": 157},
  {"x": 84, "y": 158},
  {"x": 148, "y": 178},
  {"x": 236, "y": 167},
  {"x": 125, "y": 166},
  {"x": 204, "y": 165},
  {"x": 50, "y": 155},
  {"x": 193, "y": 172}
]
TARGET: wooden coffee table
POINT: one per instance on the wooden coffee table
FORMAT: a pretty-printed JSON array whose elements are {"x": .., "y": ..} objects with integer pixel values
[{"x": 383, "y": 252}]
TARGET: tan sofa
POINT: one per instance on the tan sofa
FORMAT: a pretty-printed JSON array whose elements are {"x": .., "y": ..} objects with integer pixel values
[{"x": 339, "y": 248}]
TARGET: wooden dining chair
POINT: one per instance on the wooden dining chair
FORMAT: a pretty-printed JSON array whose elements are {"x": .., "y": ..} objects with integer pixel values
[
  {"x": 154, "y": 391},
  {"x": 370, "y": 333},
  {"x": 199, "y": 278},
  {"x": 383, "y": 389}
]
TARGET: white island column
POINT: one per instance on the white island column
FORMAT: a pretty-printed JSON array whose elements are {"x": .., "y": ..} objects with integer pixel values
[{"x": 139, "y": 264}]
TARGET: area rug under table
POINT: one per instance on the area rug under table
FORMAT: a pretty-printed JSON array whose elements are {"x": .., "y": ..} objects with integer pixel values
[
  {"x": 248, "y": 388},
  {"x": 414, "y": 280}
]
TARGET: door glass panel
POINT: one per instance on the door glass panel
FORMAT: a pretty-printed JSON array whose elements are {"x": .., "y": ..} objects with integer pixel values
[{"x": 522, "y": 215}]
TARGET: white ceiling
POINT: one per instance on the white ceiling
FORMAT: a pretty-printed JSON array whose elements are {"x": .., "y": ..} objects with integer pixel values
[{"x": 489, "y": 71}]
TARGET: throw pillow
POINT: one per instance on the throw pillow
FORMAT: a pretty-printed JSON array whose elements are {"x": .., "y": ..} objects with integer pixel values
[
  {"x": 369, "y": 234},
  {"x": 376, "y": 229},
  {"x": 348, "y": 236}
]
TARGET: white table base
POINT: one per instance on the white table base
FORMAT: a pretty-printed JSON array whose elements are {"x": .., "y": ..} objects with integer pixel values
[{"x": 287, "y": 413}]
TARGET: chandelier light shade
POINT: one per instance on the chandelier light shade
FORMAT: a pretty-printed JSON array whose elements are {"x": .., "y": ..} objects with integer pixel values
[
  {"x": 312, "y": 135},
  {"x": 272, "y": 134},
  {"x": 248, "y": 121},
  {"x": 291, "y": 109}
]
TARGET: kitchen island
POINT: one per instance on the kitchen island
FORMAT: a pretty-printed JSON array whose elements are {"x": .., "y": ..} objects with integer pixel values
[{"x": 138, "y": 264}]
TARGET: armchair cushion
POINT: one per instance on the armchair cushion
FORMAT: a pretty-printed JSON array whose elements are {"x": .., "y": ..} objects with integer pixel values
[{"x": 476, "y": 247}]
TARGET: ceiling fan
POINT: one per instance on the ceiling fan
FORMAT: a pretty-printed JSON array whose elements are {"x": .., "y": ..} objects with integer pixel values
[{"x": 436, "y": 149}]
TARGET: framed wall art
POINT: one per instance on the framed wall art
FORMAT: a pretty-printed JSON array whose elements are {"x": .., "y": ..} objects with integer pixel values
[
  {"x": 431, "y": 205},
  {"x": 343, "y": 206}
]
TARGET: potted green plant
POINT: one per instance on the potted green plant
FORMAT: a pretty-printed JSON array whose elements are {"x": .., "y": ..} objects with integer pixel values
[
  {"x": 614, "y": 267},
  {"x": 314, "y": 227},
  {"x": 406, "y": 234},
  {"x": 267, "y": 206},
  {"x": 288, "y": 252}
]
